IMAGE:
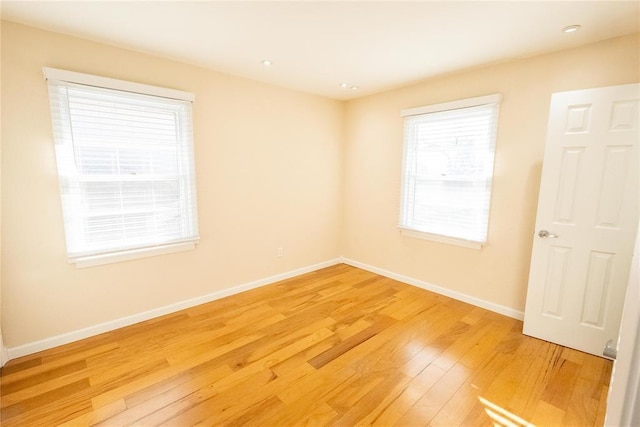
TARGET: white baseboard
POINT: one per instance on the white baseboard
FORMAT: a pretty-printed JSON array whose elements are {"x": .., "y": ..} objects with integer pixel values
[
  {"x": 47, "y": 343},
  {"x": 497, "y": 308},
  {"x": 4, "y": 353}
]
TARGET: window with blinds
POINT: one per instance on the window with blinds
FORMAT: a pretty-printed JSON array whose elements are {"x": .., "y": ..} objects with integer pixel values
[
  {"x": 125, "y": 166},
  {"x": 448, "y": 170}
]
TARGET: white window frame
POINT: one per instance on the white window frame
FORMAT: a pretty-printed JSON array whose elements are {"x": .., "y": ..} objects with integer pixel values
[
  {"x": 118, "y": 255},
  {"x": 495, "y": 100}
]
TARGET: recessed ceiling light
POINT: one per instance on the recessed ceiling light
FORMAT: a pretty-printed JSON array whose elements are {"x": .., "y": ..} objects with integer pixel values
[
  {"x": 266, "y": 62},
  {"x": 571, "y": 29},
  {"x": 344, "y": 85},
  {"x": 354, "y": 88}
]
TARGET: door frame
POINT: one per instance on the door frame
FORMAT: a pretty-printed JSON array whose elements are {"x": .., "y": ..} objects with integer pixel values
[{"x": 623, "y": 402}]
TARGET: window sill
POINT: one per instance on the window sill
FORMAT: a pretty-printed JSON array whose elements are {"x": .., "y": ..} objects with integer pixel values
[
  {"x": 93, "y": 260},
  {"x": 441, "y": 239}
]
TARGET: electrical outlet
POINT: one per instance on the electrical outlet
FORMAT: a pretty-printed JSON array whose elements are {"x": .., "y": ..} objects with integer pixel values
[{"x": 280, "y": 252}]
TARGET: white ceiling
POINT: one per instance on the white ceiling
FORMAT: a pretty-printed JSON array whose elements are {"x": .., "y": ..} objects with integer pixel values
[{"x": 316, "y": 45}]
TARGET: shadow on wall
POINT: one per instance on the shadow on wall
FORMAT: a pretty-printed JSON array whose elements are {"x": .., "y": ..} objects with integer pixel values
[{"x": 530, "y": 203}]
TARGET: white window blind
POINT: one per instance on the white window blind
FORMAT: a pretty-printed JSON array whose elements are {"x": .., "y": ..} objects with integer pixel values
[
  {"x": 125, "y": 166},
  {"x": 448, "y": 168}
]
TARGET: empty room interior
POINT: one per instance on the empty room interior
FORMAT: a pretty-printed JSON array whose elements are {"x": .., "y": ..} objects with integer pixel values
[{"x": 319, "y": 213}]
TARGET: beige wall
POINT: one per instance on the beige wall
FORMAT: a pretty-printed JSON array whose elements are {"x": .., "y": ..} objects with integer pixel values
[
  {"x": 499, "y": 272},
  {"x": 268, "y": 164},
  {"x": 3, "y": 355}
]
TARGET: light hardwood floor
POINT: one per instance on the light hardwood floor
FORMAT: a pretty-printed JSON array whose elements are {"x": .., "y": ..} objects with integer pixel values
[{"x": 340, "y": 346}]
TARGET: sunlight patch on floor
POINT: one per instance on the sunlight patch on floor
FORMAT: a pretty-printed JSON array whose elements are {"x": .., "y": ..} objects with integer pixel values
[{"x": 501, "y": 417}]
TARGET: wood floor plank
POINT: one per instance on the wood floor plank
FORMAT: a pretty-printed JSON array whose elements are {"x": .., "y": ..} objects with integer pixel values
[
  {"x": 281, "y": 348},
  {"x": 358, "y": 387},
  {"x": 308, "y": 353},
  {"x": 520, "y": 384},
  {"x": 17, "y": 367},
  {"x": 45, "y": 406},
  {"x": 533, "y": 365},
  {"x": 10, "y": 387},
  {"x": 339, "y": 346},
  {"x": 426, "y": 408},
  {"x": 399, "y": 405},
  {"x": 582, "y": 409},
  {"x": 311, "y": 401},
  {"x": 254, "y": 415},
  {"x": 375, "y": 399},
  {"x": 602, "y": 406},
  {"x": 123, "y": 390},
  {"x": 322, "y": 359},
  {"x": 547, "y": 415},
  {"x": 321, "y": 416},
  {"x": 596, "y": 371},
  {"x": 37, "y": 389},
  {"x": 96, "y": 416},
  {"x": 81, "y": 354},
  {"x": 227, "y": 405},
  {"x": 485, "y": 347},
  {"x": 145, "y": 402},
  {"x": 316, "y": 386},
  {"x": 478, "y": 417},
  {"x": 452, "y": 354},
  {"x": 455, "y": 411},
  {"x": 563, "y": 377}
]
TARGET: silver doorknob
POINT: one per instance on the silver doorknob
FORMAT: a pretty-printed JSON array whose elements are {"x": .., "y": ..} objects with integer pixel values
[{"x": 544, "y": 234}]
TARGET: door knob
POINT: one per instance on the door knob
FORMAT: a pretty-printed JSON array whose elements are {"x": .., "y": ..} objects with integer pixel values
[{"x": 544, "y": 234}]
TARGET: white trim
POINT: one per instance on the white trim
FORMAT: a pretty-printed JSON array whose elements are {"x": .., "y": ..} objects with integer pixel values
[
  {"x": 4, "y": 353},
  {"x": 453, "y": 105},
  {"x": 497, "y": 308},
  {"x": 93, "y": 260},
  {"x": 440, "y": 239},
  {"x": 47, "y": 343},
  {"x": 623, "y": 401},
  {"x": 109, "y": 83}
]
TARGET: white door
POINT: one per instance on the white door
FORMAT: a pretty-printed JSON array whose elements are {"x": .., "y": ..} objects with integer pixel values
[{"x": 587, "y": 218}]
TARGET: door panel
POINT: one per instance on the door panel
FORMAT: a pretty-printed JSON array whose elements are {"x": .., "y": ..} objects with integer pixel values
[
  {"x": 596, "y": 289},
  {"x": 556, "y": 281},
  {"x": 587, "y": 218}
]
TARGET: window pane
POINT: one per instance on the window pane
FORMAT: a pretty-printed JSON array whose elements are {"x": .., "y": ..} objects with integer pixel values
[
  {"x": 125, "y": 162},
  {"x": 448, "y": 168},
  {"x": 450, "y": 208}
]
